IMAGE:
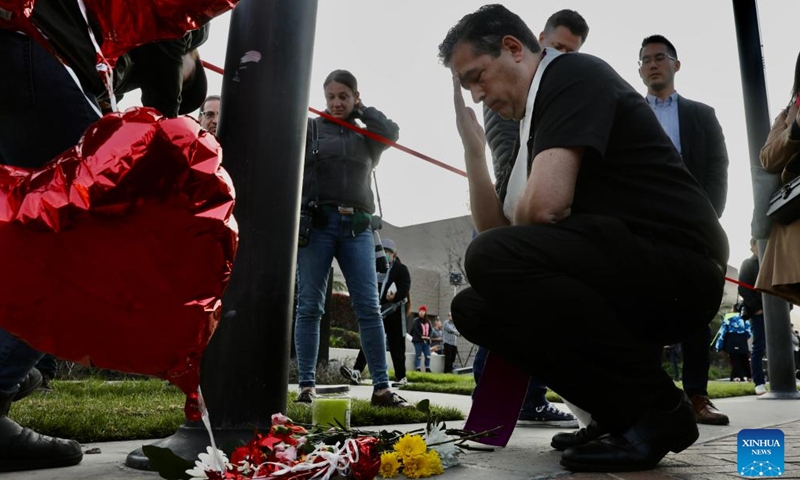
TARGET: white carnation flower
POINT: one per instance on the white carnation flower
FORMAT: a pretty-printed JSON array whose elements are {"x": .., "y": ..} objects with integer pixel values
[
  {"x": 208, "y": 462},
  {"x": 448, "y": 452}
]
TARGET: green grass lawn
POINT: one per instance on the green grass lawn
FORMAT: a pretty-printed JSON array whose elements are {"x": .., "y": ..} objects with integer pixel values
[
  {"x": 464, "y": 384},
  {"x": 98, "y": 411}
]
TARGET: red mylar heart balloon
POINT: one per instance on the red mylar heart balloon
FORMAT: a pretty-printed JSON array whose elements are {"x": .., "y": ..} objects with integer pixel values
[
  {"x": 125, "y": 24},
  {"x": 116, "y": 253}
]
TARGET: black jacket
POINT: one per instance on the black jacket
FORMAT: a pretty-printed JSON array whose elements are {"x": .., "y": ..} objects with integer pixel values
[
  {"x": 748, "y": 274},
  {"x": 703, "y": 150},
  {"x": 339, "y": 172},
  {"x": 416, "y": 331},
  {"x": 398, "y": 275}
]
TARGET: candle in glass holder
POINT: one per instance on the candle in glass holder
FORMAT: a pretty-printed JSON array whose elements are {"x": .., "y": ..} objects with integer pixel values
[{"x": 331, "y": 406}]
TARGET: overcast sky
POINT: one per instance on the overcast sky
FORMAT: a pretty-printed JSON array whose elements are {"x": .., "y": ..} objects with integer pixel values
[{"x": 391, "y": 47}]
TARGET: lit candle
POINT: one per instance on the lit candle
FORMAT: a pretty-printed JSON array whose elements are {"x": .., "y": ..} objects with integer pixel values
[{"x": 327, "y": 411}]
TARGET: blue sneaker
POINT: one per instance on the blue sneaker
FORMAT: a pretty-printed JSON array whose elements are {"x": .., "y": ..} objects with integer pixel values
[{"x": 545, "y": 416}]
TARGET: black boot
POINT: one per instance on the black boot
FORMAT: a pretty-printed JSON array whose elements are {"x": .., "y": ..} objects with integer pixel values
[
  {"x": 23, "y": 449},
  {"x": 641, "y": 446},
  {"x": 29, "y": 385},
  {"x": 564, "y": 440}
]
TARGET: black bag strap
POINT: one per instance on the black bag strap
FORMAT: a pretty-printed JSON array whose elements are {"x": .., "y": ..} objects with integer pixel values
[
  {"x": 315, "y": 152},
  {"x": 314, "y": 139}
]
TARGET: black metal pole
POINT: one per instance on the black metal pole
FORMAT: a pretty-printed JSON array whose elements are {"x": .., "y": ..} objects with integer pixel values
[
  {"x": 777, "y": 323},
  {"x": 262, "y": 130}
]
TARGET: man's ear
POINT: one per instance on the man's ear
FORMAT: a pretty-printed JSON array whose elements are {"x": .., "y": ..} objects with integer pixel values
[
  {"x": 541, "y": 38},
  {"x": 513, "y": 45},
  {"x": 677, "y": 65}
]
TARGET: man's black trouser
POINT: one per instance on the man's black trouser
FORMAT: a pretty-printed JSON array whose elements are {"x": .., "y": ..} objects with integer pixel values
[
  {"x": 450, "y": 352},
  {"x": 395, "y": 341},
  {"x": 696, "y": 361},
  {"x": 586, "y": 307}
]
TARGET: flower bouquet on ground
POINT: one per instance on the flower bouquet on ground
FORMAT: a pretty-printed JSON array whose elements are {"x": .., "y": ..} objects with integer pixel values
[{"x": 296, "y": 452}]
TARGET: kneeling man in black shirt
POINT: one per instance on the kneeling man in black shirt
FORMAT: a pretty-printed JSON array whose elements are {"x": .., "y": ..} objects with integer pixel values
[{"x": 591, "y": 244}]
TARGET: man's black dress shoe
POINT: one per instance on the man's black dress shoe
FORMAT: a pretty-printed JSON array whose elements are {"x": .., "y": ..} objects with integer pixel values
[
  {"x": 641, "y": 446},
  {"x": 564, "y": 440}
]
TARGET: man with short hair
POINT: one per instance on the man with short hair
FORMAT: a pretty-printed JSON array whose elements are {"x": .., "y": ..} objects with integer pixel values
[
  {"x": 565, "y": 31},
  {"x": 695, "y": 132},
  {"x": 597, "y": 223},
  {"x": 450, "y": 336},
  {"x": 209, "y": 113}
]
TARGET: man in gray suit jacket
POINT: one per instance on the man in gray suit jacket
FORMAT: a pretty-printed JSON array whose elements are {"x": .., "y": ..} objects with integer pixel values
[{"x": 696, "y": 134}]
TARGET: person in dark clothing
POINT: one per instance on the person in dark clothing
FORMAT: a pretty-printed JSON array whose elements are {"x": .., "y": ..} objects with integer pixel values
[
  {"x": 450, "y": 336},
  {"x": 565, "y": 31},
  {"x": 696, "y": 134},
  {"x": 338, "y": 197},
  {"x": 393, "y": 288},
  {"x": 421, "y": 338},
  {"x": 598, "y": 200},
  {"x": 753, "y": 310}
]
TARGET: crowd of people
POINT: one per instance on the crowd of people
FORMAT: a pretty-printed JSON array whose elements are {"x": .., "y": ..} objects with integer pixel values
[{"x": 591, "y": 194}]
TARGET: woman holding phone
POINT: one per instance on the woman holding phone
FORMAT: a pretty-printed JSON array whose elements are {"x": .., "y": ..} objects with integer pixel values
[{"x": 339, "y": 200}]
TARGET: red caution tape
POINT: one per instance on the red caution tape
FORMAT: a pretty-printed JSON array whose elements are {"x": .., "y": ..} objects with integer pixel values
[
  {"x": 741, "y": 284},
  {"x": 367, "y": 133}
]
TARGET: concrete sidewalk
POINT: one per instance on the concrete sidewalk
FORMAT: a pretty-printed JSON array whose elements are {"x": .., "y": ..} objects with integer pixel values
[{"x": 528, "y": 455}]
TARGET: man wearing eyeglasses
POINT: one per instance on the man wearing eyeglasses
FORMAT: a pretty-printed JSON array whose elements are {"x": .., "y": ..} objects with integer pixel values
[
  {"x": 696, "y": 134},
  {"x": 209, "y": 113}
]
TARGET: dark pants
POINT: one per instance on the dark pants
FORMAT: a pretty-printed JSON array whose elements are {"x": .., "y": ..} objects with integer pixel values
[
  {"x": 42, "y": 113},
  {"x": 740, "y": 366},
  {"x": 395, "y": 341},
  {"x": 759, "y": 349},
  {"x": 450, "y": 352},
  {"x": 696, "y": 360},
  {"x": 48, "y": 366},
  {"x": 586, "y": 306}
]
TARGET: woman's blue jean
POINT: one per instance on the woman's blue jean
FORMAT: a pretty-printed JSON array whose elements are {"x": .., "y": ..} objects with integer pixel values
[
  {"x": 356, "y": 257},
  {"x": 419, "y": 349}
]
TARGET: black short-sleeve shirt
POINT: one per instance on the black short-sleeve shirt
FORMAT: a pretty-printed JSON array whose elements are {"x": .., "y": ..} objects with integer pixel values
[{"x": 630, "y": 169}]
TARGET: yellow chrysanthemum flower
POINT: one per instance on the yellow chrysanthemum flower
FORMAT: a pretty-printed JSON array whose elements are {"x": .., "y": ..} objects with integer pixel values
[
  {"x": 410, "y": 446},
  {"x": 434, "y": 463},
  {"x": 416, "y": 466},
  {"x": 390, "y": 465}
]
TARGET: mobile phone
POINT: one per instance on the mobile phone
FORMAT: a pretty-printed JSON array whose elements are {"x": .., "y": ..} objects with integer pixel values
[{"x": 797, "y": 101}]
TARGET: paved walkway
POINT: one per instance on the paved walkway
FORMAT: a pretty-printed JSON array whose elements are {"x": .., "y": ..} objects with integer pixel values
[{"x": 528, "y": 455}]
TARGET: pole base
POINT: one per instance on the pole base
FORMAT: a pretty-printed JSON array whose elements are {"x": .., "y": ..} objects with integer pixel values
[
  {"x": 780, "y": 396},
  {"x": 190, "y": 440}
]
